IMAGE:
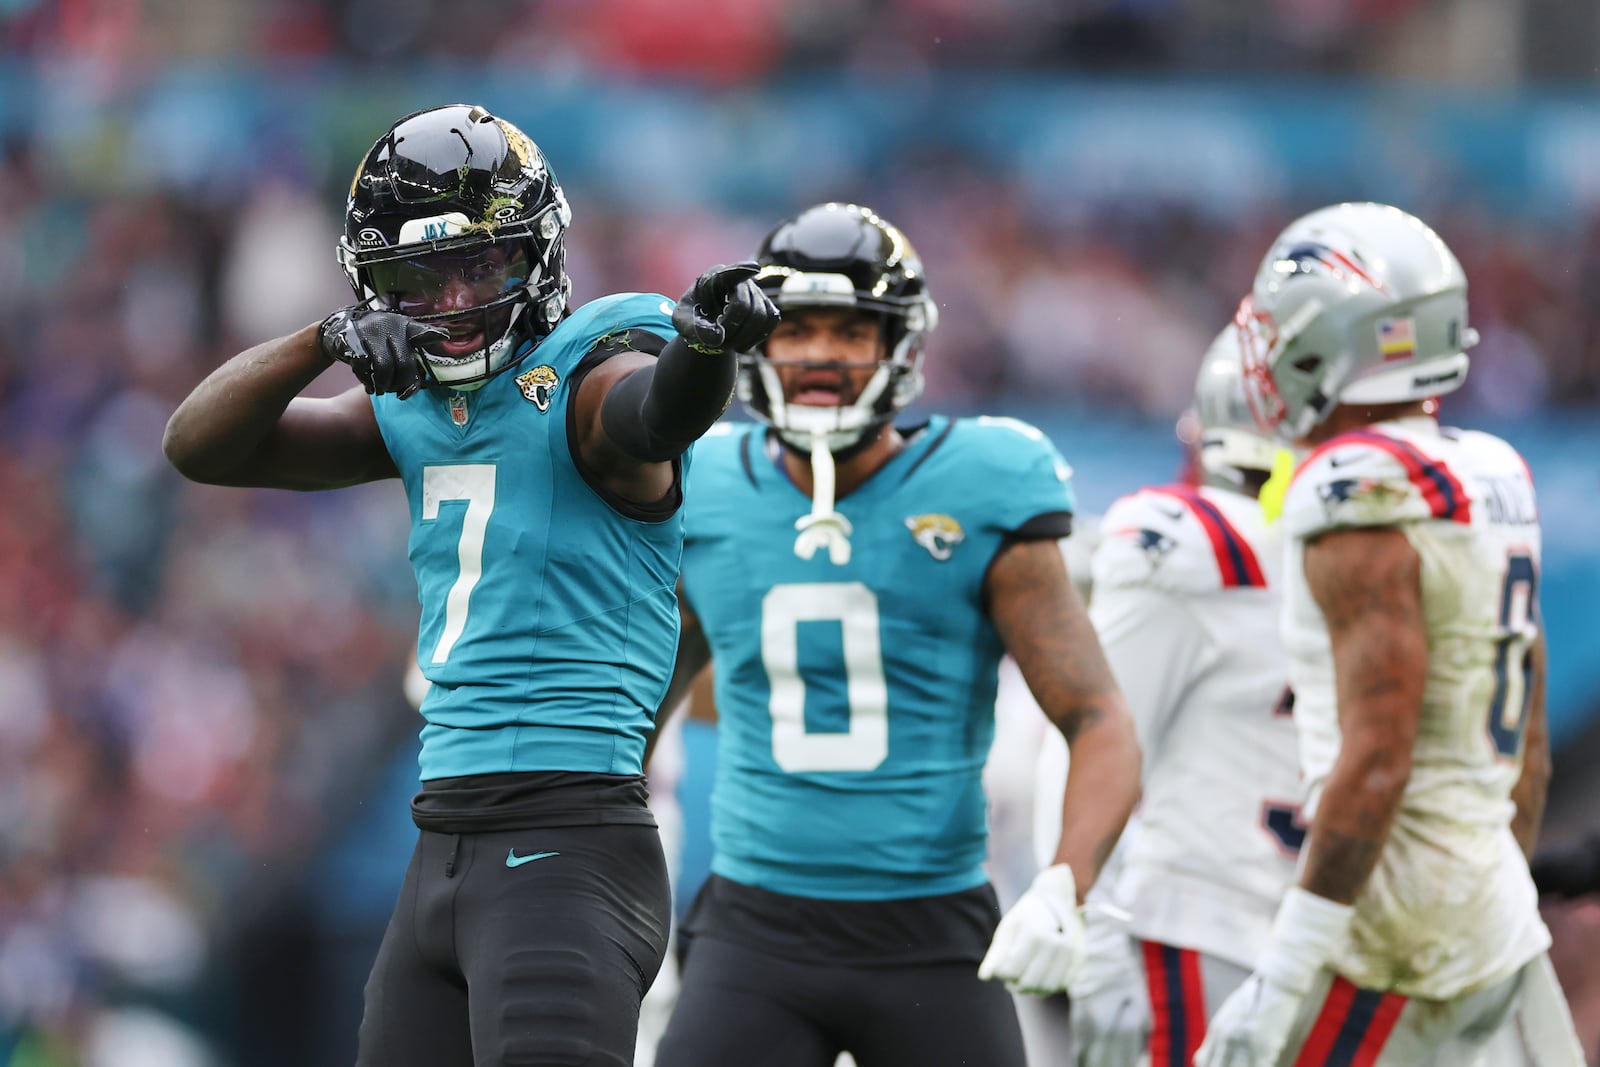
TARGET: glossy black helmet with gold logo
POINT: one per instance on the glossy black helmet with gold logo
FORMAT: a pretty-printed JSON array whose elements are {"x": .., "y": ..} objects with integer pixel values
[
  {"x": 455, "y": 218},
  {"x": 840, "y": 255}
]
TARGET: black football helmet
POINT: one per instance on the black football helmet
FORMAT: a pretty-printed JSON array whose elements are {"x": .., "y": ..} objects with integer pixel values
[
  {"x": 455, "y": 219},
  {"x": 842, "y": 255}
]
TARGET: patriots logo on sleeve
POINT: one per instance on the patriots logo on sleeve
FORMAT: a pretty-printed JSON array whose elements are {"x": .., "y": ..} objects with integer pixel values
[
  {"x": 1371, "y": 491},
  {"x": 1155, "y": 545},
  {"x": 1337, "y": 492}
]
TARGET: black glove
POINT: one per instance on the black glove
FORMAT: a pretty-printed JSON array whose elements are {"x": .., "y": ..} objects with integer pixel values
[
  {"x": 1568, "y": 870},
  {"x": 725, "y": 311},
  {"x": 381, "y": 348}
]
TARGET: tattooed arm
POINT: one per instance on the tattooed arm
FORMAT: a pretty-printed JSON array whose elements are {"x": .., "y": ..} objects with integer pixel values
[
  {"x": 1529, "y": 793},
  {"x": 1046, "y": 630},
  {"x": 1368, "y": 584}
]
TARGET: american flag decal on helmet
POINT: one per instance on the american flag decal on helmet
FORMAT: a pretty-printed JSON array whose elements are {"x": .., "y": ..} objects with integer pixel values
[{"x": 1397, "y": 339}]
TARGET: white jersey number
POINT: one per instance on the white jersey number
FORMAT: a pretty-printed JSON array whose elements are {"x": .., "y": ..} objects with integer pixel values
[
  {"x": 1508, "y": 720},
  {"x": 474, "y": 483},
  {"x": 854, "y": 607}
]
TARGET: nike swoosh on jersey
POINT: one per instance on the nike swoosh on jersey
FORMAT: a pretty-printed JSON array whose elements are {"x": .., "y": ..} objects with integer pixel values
[{"x": 514, "y": 860}]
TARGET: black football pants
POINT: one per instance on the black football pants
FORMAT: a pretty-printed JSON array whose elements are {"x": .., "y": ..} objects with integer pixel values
[
  {"x": 741, "y": 1007},
  {"x": 519, "y": 948}
]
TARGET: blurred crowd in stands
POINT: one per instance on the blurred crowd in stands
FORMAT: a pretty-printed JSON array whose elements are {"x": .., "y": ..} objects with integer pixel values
[
  {"x": 196, "y": 684},
  {"x": 728, "y": 41}
]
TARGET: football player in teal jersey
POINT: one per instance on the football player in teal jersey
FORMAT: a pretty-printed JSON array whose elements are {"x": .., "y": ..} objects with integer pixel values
[
  {"x": 542, "y": 450},
  {"x": 855, "y": 585}
]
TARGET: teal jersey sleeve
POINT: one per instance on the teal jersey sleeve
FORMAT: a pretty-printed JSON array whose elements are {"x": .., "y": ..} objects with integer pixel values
[
  {"x": 1019, "y": 471},
  {"x": 548, "y": 616}
]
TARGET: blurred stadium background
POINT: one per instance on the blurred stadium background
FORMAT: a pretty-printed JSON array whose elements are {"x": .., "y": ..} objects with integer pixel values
[{"x": 205, "y": 751}]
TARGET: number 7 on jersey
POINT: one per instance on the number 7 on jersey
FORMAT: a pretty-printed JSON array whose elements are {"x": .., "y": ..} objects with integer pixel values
[{"x": 474, "y": 483}]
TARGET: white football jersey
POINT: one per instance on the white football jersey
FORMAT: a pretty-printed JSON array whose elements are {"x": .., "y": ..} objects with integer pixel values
[
  {"x": 1186, "y": 604},
  {"x": 1451, "y": 908}
]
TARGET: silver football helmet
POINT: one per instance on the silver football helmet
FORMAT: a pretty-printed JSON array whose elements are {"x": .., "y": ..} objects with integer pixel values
[
  {"x": 1355, "y": 303},
  {"x": 1229, "y": 441}
]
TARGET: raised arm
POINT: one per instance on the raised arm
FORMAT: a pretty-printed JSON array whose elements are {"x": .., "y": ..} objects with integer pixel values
[
  {"x": 1039, "y": 945},
  {"x": 637, "y": 412},
  {"x": 247, "y": 425}
]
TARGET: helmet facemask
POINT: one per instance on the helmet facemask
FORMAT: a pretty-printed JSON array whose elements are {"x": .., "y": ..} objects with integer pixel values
[
  {"x": 843, "y": 257},
  {"x": 508, "y": 277},
  {"x": 1288, "y": 395},
  {"x": 1231, "y": 450},
  {"x": 894, "y": 383}
]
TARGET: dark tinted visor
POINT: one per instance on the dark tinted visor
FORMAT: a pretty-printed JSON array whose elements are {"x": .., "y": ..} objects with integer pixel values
[{"x": 454, "y": 280}]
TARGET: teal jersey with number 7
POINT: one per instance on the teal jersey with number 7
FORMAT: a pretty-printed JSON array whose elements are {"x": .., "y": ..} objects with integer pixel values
[
  {"x": 856, "y": 703},
  {"x": 549, "y": 617}
]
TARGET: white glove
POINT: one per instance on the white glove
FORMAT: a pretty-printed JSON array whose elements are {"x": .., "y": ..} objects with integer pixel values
[
  {"x": 1111, "y": 1026},
  {"x": 1110, "y": 1003},
  {"x": 1039, "y": 945},
  {"x": 1253, "y": 1025}
]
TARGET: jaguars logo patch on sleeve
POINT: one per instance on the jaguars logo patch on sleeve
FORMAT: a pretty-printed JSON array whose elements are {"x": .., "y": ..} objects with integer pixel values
[
  {"x": 539, "y": 385},
  {"x": 937, "y": 533}
]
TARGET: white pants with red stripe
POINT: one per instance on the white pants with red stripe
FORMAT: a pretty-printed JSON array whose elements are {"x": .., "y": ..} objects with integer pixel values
[
  {"x": 1520, "y": 1022},
  {"x": 1157, "y": 1016}
]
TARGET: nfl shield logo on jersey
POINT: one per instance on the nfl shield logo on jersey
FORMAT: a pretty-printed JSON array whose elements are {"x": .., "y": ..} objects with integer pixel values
[
  {"x": 539, "y": 385},
  {"x": 937, "y": 533}
]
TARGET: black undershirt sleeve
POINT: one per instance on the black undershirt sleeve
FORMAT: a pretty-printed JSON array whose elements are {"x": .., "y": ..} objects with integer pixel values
[
  {"x": 657, "y": 412},
  {"x": 1049, "y": 524}
]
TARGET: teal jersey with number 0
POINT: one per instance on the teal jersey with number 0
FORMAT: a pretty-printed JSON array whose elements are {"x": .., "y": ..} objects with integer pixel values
[
  {"x": 856, "y": 702},
  {"x": 549, "y": 618}
]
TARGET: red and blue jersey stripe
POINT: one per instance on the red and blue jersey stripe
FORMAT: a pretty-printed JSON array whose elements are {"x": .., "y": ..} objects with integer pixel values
[
  {"x": 1235, "y": 559},
  {"x": 1177, "y": 1004},
  {"x": 1441, "y": 490},
  {"x": 1351, "y": 1028}
]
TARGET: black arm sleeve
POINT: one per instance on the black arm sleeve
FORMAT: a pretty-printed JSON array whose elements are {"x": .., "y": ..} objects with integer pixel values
[{"x": 656, "y": 413}]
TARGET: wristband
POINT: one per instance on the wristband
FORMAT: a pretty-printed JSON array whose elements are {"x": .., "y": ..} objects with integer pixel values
[{"x": 1305, "y": 934}]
